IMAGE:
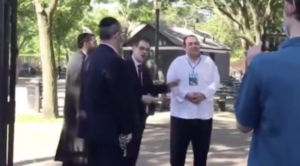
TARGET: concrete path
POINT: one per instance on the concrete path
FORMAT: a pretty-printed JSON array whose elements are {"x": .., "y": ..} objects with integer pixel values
[{"x": 36, "y": 144}]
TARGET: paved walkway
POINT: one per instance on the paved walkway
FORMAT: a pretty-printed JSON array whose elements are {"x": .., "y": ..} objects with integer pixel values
[{"x": 228, "y": 147}]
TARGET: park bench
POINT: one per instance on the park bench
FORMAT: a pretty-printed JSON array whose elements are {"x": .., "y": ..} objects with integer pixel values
[{"x": 227, "y": 89}]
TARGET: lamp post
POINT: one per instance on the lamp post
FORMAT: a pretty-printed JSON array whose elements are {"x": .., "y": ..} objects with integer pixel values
[
  {"x": 157, "y": 6},
  {"x": 13, "y": 79},
  {"x": 3, "y": 79},
  {"x": 8, "y": 48}
]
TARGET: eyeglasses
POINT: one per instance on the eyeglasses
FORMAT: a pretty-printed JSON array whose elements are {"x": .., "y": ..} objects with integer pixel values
[{"x": 144, "y": 49}]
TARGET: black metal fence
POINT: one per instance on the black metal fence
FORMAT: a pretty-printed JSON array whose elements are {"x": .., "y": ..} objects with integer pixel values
[{"x": 271, "y": 42}]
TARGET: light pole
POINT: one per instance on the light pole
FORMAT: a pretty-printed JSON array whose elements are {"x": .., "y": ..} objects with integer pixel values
[
  {"x": 13, "y": 79},
  {"x": 157, "y": 6},
  {"x": 8, "y": 48},
  {"x": 4, "y": 52}
]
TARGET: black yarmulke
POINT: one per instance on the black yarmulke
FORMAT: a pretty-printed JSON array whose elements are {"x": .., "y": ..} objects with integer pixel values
[{"x": 107, "y": 22}]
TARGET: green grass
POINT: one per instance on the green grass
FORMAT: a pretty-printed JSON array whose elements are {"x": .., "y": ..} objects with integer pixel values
[{"x": 35, "y": 118}]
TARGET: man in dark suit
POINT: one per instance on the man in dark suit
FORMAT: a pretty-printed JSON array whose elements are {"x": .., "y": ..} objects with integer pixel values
[
  {"x": 108, "y": 104},
  {"x": 143, "y": 91},
  {"x": 65, "y": 152}
]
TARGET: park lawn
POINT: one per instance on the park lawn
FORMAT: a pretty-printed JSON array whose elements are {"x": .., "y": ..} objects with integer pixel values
[{"x": 35, "y": 118}]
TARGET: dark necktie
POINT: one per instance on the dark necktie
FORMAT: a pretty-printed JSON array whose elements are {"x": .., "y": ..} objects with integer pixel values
[
  {"x": 139, "y": 67},
  {"x": 82, "y": 72}
]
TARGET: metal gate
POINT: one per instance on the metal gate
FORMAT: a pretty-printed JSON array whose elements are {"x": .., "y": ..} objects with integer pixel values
[
  {"x": 8, "y": 55},
  {"x": 271, "y": 42}
]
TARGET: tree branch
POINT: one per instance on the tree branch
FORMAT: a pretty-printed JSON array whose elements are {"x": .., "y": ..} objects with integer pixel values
[
  {"x": 23, "y": 42},
  {"x": 256, "y": 22},
  {"x": 51, "y": 8},
  {"x": 244, "y": 10},
  {"x": 224, "y": 12},
  {"x": 39, "y": 9},
  {"x": 248, "y": 39},
  {"x": 270, "y": 7}
]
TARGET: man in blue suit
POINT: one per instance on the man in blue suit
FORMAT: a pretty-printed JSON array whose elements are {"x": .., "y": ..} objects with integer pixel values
[
  {"x": 269, "y": 99},
  {"x": 107, "y": 101}
]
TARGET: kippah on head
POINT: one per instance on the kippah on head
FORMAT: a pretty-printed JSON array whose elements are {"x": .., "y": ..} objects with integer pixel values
[{"x": 107, "y": 22}]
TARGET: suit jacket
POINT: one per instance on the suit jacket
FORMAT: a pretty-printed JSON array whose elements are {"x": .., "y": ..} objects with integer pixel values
[
  {"x": 73, "y": 89},
  {"x": 143, "y": 89},
  {"x": 65, "y": 151},
  {"x": 107, "y": 100}
]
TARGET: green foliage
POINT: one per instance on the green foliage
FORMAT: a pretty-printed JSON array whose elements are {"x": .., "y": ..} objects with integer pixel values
[
  {"x": 189, "y": 16},
  {"x": 220, "y": 30},
  {"x": 225, "y": 24},
  {"x": 134, "y": 13},
  {"x": 223, "y": 33},
  {"x": 27, "y": 30},
  {"x": 91, "y": 19},
  {"x": 140, "y": 11},
  {"x": 248, "y": 18},
  {"x": 66, "y": 25}
]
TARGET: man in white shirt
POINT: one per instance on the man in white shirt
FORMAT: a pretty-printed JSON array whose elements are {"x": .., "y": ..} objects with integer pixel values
[{"x": 192, "y": 103}]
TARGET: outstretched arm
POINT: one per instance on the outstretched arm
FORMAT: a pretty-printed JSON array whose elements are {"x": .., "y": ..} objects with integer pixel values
[{"x": 247, "y": 107}]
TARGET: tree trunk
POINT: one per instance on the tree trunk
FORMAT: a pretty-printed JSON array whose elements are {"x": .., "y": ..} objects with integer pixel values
[{"x": 50, "y": 106}]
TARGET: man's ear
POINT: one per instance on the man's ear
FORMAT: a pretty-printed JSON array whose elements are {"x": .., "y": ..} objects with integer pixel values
[{"x": 288, "y": 9}]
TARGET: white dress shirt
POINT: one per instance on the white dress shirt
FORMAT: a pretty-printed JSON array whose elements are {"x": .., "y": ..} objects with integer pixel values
[{"x": 208, "y": 83}]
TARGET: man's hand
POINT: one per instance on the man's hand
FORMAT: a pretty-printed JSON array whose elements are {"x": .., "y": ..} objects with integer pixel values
[
  {"x": 78, "y": 144},
  {"x": 158, "y": 82},
  {"x": 191, "y": 96},
  {"x": 173, "y": 83},
  {"x": 252, "y": 52},
  {"x": 195, "y": 97},
  {"x": 198, "y": 97},
  {"x": 147, "y": 99},
  {"x": 243, "y": 129},
  {"x": 163, "y": 97},
  {"x": 81, "y": 114},
  {"x": 129, "y": 137}
]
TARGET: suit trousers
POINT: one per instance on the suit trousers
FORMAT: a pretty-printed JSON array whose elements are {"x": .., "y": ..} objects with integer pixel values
[
  {"x": 100, "y": 154},
  {"x": 135, "y": 144},
  {"x": 184, "y": 131}
]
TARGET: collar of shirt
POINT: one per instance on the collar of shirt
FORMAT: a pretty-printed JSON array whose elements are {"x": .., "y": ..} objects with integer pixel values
[
  {"x": 191, "y": 61},
  {"x": 290, "y": 42},
  {"x": 111, "y": 47},
  {"x": 136, "y": 63},
  {"x": 85, "y": 54}
]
